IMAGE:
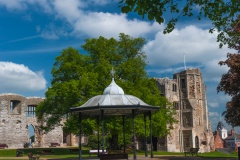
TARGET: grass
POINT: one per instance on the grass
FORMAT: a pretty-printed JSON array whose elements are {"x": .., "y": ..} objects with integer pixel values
[
  {"x": 65, "y": 153},
  {"x": 7, "y": 152},
  {"x": 216, "y": 154}
]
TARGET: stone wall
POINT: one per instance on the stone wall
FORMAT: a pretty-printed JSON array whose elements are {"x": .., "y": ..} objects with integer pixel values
[
  {"x": 193, "y": 127},
  {"x": 15, "y": 117}
]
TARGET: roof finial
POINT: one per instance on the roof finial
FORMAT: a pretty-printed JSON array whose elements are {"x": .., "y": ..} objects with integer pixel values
[{"x": 112, "y": 72}]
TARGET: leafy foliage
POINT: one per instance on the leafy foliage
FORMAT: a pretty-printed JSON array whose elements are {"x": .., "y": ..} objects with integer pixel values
[
  {"x": 230, "y": 82},
  {"x": 78, "y": 77},
  {"x": 222, "y": 13}
]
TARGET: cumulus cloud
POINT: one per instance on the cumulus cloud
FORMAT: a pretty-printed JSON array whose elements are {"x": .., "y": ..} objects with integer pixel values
[
  {"x": 85, "y": 22},
  {"x": 95, "y": 24},
  {"x": 195, "y": 43},
  {"x": 17, "y": 77},
  {"x": 198, "y": 46},
  {"x": 110, "y": 25}
]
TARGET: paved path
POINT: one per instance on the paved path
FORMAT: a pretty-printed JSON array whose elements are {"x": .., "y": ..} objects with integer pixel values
[
  {"x": 131, "y": 158},
  {"x": 165, "y": 158}
]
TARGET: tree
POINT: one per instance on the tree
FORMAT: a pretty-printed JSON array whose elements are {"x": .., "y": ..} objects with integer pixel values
[
  {"x": 230, "y": 82},
  {"x": 221, "y": 12},
  {"x": 73, "y": 83},
  {"x": 78, "y": 77}
]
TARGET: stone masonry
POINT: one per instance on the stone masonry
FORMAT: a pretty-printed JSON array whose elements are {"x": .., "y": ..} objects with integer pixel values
[
  {"x": 17, "y": 113},
  {"x": 187, "y": 93}
]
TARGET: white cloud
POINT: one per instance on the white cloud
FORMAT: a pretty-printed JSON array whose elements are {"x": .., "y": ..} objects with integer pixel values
[
  {"x": 216, "y": 100},
  {"x": 198, "y": 46},
  {"x": 17, "y": 77},
  {"x": 69, "y": 10},
  {"x": 99, "y": 2},
  {"x": 13, "y": 4},
  {"x": 25, "y": 38},
  {"x": 83, "y": 21},
  {"x": 43, "y": 5},
  {"x": 213, "y": 104},
  {"x": 52, "y": 32},
  {"x": 213, "y": 71},
  {"x": 211, "y": 114},
  {"x": 95, "y": 24},
  {"x": 215, "y": 117}
]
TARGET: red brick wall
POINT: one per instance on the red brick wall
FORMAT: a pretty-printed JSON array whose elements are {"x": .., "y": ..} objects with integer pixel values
[{"x": 219, "y": 143}]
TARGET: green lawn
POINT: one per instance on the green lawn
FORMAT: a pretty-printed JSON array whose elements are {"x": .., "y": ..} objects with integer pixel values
[
  {"x": 65, "y": 153},
  {"x": 218, "y": 155}
]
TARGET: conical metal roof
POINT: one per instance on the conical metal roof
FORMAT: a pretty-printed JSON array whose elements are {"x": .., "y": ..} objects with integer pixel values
[{"x": 114, "y": 102}]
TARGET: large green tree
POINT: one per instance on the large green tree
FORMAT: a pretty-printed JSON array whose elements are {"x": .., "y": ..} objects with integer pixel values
[
  {"x": 221, "y": 12},
  {"x": 78, "y": 77},
  {"x": 230, "y": 81}
]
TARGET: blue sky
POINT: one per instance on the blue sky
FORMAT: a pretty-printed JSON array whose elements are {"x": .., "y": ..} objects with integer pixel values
[{"x": 34, "y": 32}]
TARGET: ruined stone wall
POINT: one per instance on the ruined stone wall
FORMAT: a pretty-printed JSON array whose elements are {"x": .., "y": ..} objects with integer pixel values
[
  {"x": 169, "y": 89},
  {"x": 13, "y": 129},
  {"x": 15, "y": 119}
]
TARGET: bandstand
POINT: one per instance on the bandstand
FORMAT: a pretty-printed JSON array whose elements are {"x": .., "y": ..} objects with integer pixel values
[{"x": 114, "y": 102}]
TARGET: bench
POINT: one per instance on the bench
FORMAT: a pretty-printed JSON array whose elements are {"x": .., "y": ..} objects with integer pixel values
[
  {"x": 3, "y": 145},
  {"x": 113, "y": 156},
  {"x": 19, "y": 153},
  {"x": 46, "y": 152},
  {"x": 95, "y": 151},
  {"x": 192, "y": 151},
  {"x": 54, "y": 144},
  {"x": 74, "y": 150},
  {"x": 32, "y": 157}
]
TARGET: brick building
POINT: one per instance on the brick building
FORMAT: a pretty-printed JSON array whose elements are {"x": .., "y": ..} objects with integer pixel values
[{"x": 225, "y": 139}]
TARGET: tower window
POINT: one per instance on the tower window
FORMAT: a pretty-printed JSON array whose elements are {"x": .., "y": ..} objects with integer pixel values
[
  {"x": 183, "y": 85},
  {"x": 174, "y": 87},
  {"x": 175, "y": 105}
]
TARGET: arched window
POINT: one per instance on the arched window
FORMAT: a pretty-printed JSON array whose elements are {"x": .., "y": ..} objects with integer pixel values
[
  {"x": 31, "y": 132},
  {"x": 174, "y": 87},
  {"x": 196, "y": 142}
]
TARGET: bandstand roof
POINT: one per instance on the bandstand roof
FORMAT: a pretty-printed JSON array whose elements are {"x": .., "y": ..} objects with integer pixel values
[{"x": 114, "y": 102}]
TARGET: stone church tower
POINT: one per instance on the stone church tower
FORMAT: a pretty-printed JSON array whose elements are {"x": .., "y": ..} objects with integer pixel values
[{"x": 187, "y": 93}]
